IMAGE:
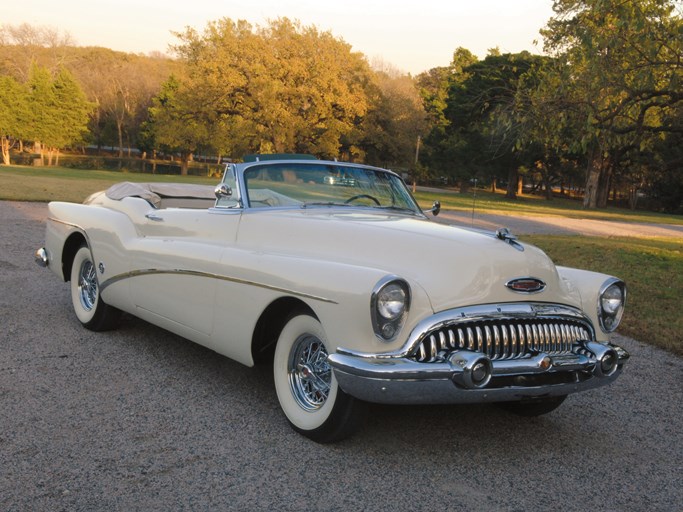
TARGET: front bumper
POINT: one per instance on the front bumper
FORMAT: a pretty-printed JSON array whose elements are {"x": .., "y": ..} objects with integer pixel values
[{"x": 471, "y": 377}]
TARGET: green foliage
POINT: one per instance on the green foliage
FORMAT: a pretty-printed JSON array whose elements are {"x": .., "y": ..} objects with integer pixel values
[
  {"x": 279, "y": 88},
  {"x": 173, "y": 125},
  {"x": 13, "y": 110},
  {"x": 483, "y": 133},
  {"x": 618, "y": 74},
  {"x": 605, "y": 109},
  {"x": 72, "y": 110},
  {"x": 51, "y": 110},
  {"x": 43, "y": 121}
]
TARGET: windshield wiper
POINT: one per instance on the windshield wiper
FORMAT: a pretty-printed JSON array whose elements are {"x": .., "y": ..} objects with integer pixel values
[
  {"x": 397, "y": 209},
  {"x": 322, "y": 203}
]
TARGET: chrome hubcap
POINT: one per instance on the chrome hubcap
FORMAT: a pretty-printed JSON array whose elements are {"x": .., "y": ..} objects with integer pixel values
[
  {"x": 87, "y": 285},
  {"x": 310, "y": 376}
]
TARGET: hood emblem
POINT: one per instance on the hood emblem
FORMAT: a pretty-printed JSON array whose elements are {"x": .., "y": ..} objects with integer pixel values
[{"x": 526, "y": 285}]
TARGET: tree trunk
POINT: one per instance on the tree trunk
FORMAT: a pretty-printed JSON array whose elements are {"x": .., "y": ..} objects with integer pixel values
[
  {"x": 119, "y": 129},
  {"x": 603, "y": 186},
  {"x": 548, "y": 186},
  {"x": 590, "y": 198},
  {"x": 184, "y": 163},
  {"x": 5, "y": 150},
  {"x": 493, "y": 185},
  {"x": 633, "y": 197},
  {"x": 514, "y": 179}
]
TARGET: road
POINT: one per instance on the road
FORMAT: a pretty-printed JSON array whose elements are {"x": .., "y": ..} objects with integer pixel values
[
  {"x": 140, "y": 419},
  {"x": 556, "y": 225}
]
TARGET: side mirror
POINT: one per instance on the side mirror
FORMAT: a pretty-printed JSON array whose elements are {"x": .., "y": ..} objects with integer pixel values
[
  {"x": 222, "y": 191},
  {"x": 435, "y": 209}
]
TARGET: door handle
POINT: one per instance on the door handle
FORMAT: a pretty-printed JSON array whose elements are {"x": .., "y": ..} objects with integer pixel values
[{"x": 154, "y": 216}]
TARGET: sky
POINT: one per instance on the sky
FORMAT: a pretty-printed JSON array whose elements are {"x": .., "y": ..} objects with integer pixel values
[{"x": 412, "y": 36}]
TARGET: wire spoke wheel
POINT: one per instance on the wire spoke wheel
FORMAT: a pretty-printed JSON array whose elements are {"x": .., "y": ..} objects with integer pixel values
[
  {"x": 87, "y": 285},
  {"x": 310, "y": 376},
  {"x": 89, "y": 307},
  {"x": 305, "y": 384}
]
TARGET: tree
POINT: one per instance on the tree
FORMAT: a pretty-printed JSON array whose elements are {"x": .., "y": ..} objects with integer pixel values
[
  {"x": 619, "y": 72},
  {"x": 283, "y": 87},
  {"x": 439, "y": 153},
  {"x": 72, "y": 111},
  {"x": 58, "y": 110},
  {"x": 483, "y": 133},
  {"x": 121, "y": 86},
  {"x": 13, "y": 112},
  {"x": 24, "y": 45},
  {"x": 395, "y": 119},
  {"x": 172, "y": 124}
]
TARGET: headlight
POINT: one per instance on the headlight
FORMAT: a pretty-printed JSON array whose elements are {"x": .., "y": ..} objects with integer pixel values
[
  {"x": 611, "y": 304},
  {"x": 391, "y": 301},
  {"x": 389, "y": 306}
]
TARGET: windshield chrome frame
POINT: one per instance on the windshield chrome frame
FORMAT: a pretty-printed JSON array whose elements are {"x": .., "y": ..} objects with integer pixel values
[{"x": 243, "y": 197}]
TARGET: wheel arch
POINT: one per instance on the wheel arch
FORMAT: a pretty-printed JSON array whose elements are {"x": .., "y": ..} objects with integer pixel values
[
  {"x": 270, "y": 324},
  {"x": 71, "y": 246}
]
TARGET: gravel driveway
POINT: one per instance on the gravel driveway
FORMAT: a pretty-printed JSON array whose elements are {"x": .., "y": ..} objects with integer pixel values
[{"x": 140, "y": 419}]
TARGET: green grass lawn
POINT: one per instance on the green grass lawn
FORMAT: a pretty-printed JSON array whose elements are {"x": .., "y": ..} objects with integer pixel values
[
  {"x": 19, "y": 183},
  {"x": 652, "y": 269}
]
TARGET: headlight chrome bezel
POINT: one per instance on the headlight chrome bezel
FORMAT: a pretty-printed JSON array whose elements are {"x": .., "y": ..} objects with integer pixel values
[
  {"x": 388, "y": 328},
  {"x": 610, "y": 320}
]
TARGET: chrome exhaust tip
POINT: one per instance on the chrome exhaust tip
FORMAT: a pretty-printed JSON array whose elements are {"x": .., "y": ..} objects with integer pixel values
[{"x": 471, "y": 370}]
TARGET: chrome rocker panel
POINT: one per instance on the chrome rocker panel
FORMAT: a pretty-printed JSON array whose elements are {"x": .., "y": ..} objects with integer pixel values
[{"x": 404, "y": 381}]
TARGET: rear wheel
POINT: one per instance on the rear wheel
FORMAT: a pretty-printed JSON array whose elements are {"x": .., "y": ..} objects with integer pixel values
[
  {"x": 306, "y": 387},
  {"x": 533, "y": 407},
  {"x": 89, "y": 307}
]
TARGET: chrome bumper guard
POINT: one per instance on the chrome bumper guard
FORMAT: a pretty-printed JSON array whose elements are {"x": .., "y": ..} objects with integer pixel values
[
  {"x": 41, "y": 257},
  {"x": 471, "y": 377}
]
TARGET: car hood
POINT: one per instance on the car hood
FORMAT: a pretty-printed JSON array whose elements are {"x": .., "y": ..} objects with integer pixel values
[{"x": 455, "y": 266}]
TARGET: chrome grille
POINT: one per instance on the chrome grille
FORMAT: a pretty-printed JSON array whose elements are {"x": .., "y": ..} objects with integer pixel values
[{"x": 503, "y": 339}]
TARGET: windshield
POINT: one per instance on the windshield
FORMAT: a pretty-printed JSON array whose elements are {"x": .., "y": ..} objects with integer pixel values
[{"x": 323, "y": 185}]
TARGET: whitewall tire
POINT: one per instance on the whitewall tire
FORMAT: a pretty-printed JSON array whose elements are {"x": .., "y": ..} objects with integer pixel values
[
  {"x": 89, "y": 307},
  {"x": 306, "y": 386}
]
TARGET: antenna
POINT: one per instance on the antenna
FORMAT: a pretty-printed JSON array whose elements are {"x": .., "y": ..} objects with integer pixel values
[{"x": 474, "y": 198}]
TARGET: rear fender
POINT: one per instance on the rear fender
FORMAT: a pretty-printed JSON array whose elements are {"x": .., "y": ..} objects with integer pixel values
[{"x": 107, "y": 233}]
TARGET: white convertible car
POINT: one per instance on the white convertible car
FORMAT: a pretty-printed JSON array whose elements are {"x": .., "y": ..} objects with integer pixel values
[{"x": 331, "y": 272}]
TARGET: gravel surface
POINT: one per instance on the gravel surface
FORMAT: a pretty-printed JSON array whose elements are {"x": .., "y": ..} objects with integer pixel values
[{"x": 140, "y": 419}]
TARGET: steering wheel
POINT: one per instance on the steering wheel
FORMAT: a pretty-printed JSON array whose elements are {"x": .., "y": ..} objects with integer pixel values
[{"x": 362, "y": 196}]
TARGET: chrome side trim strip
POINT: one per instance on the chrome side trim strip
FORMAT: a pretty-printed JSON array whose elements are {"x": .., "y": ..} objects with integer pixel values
[
  {"x": 209, "y": 275},
  {"x": 87, "y": 241},
  {"x": 59, "y": 221}
]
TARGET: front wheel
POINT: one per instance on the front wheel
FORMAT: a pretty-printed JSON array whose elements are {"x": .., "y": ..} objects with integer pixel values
[
  {"x": 533, "y": 407},
  {"x": 306, "y": 387},
  {"x": 89, "y": 307}
]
